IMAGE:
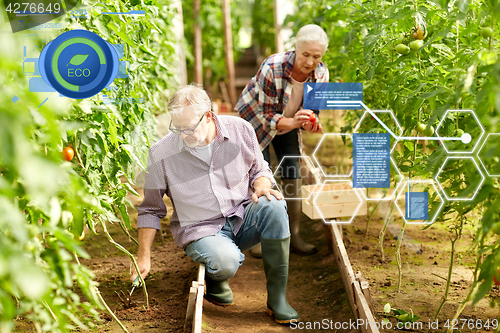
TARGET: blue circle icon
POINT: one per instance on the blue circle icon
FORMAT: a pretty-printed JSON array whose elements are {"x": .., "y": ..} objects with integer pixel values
[{"x": 78, "y": 64}]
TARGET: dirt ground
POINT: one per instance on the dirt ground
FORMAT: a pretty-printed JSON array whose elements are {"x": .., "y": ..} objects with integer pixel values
[
  {"x": 315, "y": 287},
  {"x": 424, "y": 273}
]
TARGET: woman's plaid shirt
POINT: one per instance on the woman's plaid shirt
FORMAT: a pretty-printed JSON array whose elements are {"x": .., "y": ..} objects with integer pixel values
[{"x": 265, "y": 97}]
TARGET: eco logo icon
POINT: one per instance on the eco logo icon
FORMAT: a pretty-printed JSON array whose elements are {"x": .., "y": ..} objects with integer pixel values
[{"x": 78, "y": 64}]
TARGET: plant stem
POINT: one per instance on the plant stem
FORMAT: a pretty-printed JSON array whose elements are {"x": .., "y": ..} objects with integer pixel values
[
  {"x": 398, "y": 255},
  {"x": 458, "y": 233},
  {"x": 131, "y": 257},
  {"x": 384, "y": 228},
  {"x": 110, "y": 312},
  {"x": 471, "y": 294},
  {"x": 370, "y": 218},
  {"x": 122, "y": 225}
]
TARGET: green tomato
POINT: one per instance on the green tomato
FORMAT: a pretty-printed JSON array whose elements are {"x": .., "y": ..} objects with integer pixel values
[
  {"x": 416, "y": 45},
  {"x": 421, "y": 127},
  {"x": 486, "y": 32},
  {"x": 371, "y": 209},
  {"x": 429, "y": 131},
  {"x": 402, "y": 49},
  {"x": 398, "y": 178},
  {"x": 459, "y": 132},
  {"x": 401, "y": 39},
  {"x": 495, "y": 228}
]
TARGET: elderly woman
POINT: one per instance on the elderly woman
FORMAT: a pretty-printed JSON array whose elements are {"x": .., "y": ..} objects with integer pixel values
[{"x": 272, "y": 103}]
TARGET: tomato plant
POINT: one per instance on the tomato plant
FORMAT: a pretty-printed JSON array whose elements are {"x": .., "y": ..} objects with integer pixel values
[
  {"x": 455, "y": 67},
  {"x": 45, "y": 203}
]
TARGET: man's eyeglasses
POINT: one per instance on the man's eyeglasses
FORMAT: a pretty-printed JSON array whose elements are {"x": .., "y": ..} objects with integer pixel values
[{"x": 189, "y": 131}]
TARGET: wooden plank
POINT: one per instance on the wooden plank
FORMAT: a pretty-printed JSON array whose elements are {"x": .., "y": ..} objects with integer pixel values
[
  {"x": 333, "y": 211},
  {"x": 356, "y": 297},
  {"x": 198, "y": 310},
  {"x": 201, "y": 274},
  {"x": 364, "y": 312},
  {"x": 198, "y": 307},
  {"x": 344, "y": 266},
  {"x": 194, "y": 311},
  {"x": 190, "y": 309},
  {"x": 334, "y": 193},
  {"x": 365, "y": 289},
  {"x": 314, "y": 190},
  {"x": 329, "y": 236}
]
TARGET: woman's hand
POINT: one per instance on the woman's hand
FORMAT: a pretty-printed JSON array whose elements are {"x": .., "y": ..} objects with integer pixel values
[
  {"x": 312, "y": 126},
  {"x": 301, "y": 118}
]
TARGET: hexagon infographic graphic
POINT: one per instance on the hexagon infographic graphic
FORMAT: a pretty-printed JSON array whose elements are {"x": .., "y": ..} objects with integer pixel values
[
  {"x": 349, "y": 201},
  {"x": 432, "y": 215},
  {"x": 490, "y": 154},
  {"x": 468, "y": 143},
  {"x": 303, "y": 170},
  {"x": 390, "y": 192},
  {"x": 461, "y": 133},
  {"x": 340, "y": 172},
  {"x": 474, "y": 191},
  {"x": 389, "y": 114}
]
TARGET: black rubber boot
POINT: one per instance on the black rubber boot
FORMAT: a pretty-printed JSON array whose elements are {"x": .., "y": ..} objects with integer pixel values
[
  {"x": 291, "y": 190},
  {"x": 218, "y": 292},
  {"x": 275, "y": 254}
]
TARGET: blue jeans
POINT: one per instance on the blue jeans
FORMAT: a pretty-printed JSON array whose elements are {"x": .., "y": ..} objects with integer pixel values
[{"x": 221, "y": 253}]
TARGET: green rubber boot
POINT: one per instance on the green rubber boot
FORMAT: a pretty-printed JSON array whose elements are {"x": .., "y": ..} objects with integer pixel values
[
  {"x": 218, "y": 292},
  {"x": 275, "y": 254}
]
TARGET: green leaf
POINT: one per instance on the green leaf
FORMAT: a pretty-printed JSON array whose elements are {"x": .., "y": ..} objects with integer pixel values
[
  {"x": 463, "y": 5},
  {"x": 123, "y": 212},
  {"x": 78, "y": 59},
  {"x": 131, "y": 189},
  {"x": 431, "y": 93},
  {"x": 31, "y": 280},
  {"x": 399, "y": 312}
]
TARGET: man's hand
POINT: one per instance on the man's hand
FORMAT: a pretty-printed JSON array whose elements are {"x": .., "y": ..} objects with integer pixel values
[
  {"x": 144, "y": 264},
  {"x": 262, "y": 186},
  {"x": 146, "y": 238}
]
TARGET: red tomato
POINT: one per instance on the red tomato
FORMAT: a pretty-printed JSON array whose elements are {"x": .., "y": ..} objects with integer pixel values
[
  {"x": 312, "y": 118},
  {"x": 68, "y": 153},
  {"x": 495, "y": 279}
]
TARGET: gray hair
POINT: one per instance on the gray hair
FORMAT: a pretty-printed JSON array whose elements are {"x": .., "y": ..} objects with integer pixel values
[
  {"x": 192, "y": 95},
  {"x": 312, "y": 33}
]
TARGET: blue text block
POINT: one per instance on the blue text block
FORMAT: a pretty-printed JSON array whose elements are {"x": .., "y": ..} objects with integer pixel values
[
  {"x": 372, "y": 165},
  {"x": 417, "y": 205},
  {"x": 333, "y": 96}
]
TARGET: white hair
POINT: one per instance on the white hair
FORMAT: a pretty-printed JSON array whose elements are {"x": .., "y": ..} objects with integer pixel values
[
  {"x": 192, "y": 95},
  {"x": 312, "y": 33}
]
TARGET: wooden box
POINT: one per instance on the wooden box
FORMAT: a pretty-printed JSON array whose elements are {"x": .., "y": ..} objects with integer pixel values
[{"x": 336, "y": 200}]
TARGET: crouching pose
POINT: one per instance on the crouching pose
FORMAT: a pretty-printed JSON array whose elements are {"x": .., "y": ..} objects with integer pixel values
[{"x": 212, "y": 169}]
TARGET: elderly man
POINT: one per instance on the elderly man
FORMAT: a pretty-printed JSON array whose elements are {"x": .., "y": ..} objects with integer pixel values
[{"x": 212, "y": 169}]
